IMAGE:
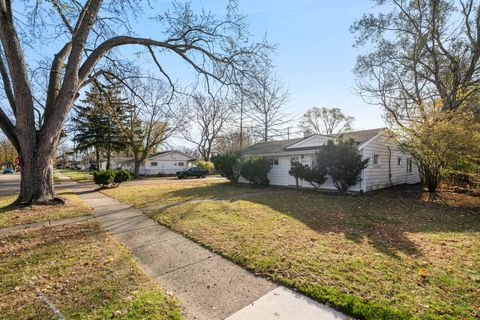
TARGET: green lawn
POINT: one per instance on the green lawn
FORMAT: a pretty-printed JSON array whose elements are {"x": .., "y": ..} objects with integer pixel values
[
  {"x": 385, "y": 255},
  {"x": 82, "y": 271},
  {"x": 173, "y": 191},
  {"x": 11, "y": 216},
  {"x": 78, "y": 175}
]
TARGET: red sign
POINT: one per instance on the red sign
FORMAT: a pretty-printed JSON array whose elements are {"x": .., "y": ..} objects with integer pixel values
[{"x": 17, "y": 161}]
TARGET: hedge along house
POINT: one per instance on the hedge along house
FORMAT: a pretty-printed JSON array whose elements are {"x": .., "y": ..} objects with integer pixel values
[
  {"x": 163, "y": 163},
  {"x": 387, "y": 165}
]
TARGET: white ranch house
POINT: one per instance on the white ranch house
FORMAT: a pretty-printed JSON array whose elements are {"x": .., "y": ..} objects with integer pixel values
[
  {"x": 163, "y": 163},
  {"x": 385, "y": 159}
]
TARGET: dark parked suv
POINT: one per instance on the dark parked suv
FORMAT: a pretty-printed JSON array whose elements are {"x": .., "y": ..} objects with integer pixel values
[{"x": 192, "y": 172}]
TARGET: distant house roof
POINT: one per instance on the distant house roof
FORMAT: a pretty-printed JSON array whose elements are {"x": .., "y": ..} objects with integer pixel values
[
  {"x": 277, "y": 147},
  {"x": 160, "y": 154}
]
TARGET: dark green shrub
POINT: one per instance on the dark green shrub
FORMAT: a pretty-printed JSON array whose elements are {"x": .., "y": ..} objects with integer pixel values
[
  {"x": 110, "y": 178},
  {"x": 103, "y": 178},
  {"x": 121, "y": 176},
  {"x": 297, "y": 171},
  {"x": 255, "y": 170},
  {"x": 342, "y": 162},
  {"x": 227, "y": 165},
  {"x": 316, "y": 176}
]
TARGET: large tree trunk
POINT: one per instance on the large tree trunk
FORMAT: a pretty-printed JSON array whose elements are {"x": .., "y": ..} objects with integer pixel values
[
  {"x": 37, "y": 184},
  {"x": 36, "y": 163}
]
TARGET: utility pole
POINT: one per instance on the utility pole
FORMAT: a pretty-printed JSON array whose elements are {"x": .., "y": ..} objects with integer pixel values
[{"x": 241, "y": 121}]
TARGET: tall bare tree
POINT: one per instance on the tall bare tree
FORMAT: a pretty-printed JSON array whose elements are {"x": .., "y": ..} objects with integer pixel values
[
  {"x": 424, "y": 52},
  {"x": 211, "y": 116},
  {"x": 149, "y": 121},
  {"x": 422, "y": 58},
  {"x": 326, "y": 121},
  {"x": 233, "y": 140},
  {"x": 89, "y": 35},
  {"x": 267, "y": 99}
]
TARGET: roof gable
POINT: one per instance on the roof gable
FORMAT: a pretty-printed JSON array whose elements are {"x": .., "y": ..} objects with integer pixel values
[
  {"x": 270, "y": 147},
  {"x": 312, "y": 142}
]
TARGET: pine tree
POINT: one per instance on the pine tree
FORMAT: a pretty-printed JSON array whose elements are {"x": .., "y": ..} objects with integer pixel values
[{"x": 97, "y": 121}]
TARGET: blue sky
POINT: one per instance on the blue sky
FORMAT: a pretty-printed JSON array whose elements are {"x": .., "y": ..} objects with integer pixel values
[{"x": 315, "y": 55}]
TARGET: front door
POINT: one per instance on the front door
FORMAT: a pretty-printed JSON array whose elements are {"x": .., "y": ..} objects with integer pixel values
[{"x": 291, "y": 179}]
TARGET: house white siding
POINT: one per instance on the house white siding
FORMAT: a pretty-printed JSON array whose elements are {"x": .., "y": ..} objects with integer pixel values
[
  {"x": 164, "y": 164},
  {"x": 376, "y": 176},
  {"x": 279, "y": 176}
]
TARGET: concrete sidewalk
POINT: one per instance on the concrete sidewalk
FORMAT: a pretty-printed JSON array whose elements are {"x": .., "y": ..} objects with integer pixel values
[{"x": 209, "y": 286}]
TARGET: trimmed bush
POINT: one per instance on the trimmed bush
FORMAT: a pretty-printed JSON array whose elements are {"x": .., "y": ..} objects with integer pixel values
[
  {"x": 228, "y": 165},
  {"x": 255, "y": 170},
  {"x": 316, "y": 176},
  {"x": 104, "y": 178},
  {"x": 342, "y": 161},
  {"x": 297, "y": 171},
  {"x": 121, "y": 176},
  {"x": 110, "y": 178}
]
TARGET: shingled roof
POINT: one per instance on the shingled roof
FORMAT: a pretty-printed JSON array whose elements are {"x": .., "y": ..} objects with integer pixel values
[
  {"x": 277, "y": 147},
  {"x": 361, "y": 136},
  {"x": 269, "y": 147}
]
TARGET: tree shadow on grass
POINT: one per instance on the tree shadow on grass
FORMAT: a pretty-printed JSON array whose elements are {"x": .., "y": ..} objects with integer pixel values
[
  {"x": 216, "y": 191},
  {"x": 382, "y": 218}
]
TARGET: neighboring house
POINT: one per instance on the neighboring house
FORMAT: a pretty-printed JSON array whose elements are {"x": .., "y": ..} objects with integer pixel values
[
  {"x": 385, "y": 158},
  {"x": 115, "y": 163},
  {"x": 165, "y": 162}
]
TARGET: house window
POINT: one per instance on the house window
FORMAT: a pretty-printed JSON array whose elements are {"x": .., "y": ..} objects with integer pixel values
[
  {"x": 153, "y": 164},
  {"x": 409, "y": 165},
  {"x": 273, "y": 161},
  {"x": 180, "y": 164},
  {"x": 293, "y": 160},
  {"x": 399, "y": 161},
  {"x": 376, "y": 159}
]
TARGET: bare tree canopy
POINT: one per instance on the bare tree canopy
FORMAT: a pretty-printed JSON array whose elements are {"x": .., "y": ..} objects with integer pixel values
[
  {"x": 422, "y": 52},
  {"x": 326, "y": 121},
  {"x": 88, "y": 37},
  {"x": 210, "y": 115},
  {"x": 422, "y": 68},
  {"x": 151, "y": 119},
  {"x": 267, "y": 99}
]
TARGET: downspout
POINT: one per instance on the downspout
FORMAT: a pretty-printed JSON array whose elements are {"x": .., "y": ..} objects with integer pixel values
[
  {"x": 390, "y": 165},
  {"x": 362, "y": 183}
]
